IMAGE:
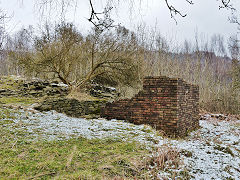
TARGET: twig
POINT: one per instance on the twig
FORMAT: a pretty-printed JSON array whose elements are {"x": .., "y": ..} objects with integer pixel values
[
  {"x": 71, "y": 157},
  {"x": 226, "y": 4},
  {"x": 42, "y": 174},
  {"x": 14, "y": 144},
  {"x": 15, "y": 141},
  {"x": 174, "y": 11}
]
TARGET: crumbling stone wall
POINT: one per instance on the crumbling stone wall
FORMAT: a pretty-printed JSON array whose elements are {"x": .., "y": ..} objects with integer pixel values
[
  {"x": 72, "y": 107},
  {"x": 16, "y": 86},
  {"x": 167, "y": 104}
]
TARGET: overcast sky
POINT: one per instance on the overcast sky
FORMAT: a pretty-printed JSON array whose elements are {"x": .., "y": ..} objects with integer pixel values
[{"x": 203, "y": 17}]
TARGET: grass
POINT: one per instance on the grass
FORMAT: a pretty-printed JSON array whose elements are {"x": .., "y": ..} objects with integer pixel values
[
  {"x": 224, "y": 149},
  {"x": 167, "y": 159},
  {"x": 168, "y": 154},
  {"x": 23, "y": 156},
  {"x": 6, "y": 114},
  {"x": 18, "y": 100},
  {"x": 8, "y": 82},
  {"x": 77, "y": 158},
  {"x": 237, "y": 125}
]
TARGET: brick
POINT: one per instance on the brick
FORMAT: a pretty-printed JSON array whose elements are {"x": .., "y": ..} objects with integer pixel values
[{"x": 169, "y": 104}]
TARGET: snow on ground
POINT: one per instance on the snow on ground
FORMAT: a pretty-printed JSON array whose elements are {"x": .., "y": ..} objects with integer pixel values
[
  {"x": 213, "y": 150},
  {"x": 52, "y": 125}
]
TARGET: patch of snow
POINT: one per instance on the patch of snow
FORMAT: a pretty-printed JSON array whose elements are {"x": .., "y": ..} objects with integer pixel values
[
  {"x": 215, "y": 147},
  {"x": 55, "y": 125},
  {"x": 112, "y": 88},
  {"x": 211, "y": 148}
]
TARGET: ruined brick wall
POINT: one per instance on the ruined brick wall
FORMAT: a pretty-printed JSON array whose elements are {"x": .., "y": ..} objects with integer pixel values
[
  {"x": 167, "y": 104},
  {"x": 188, "y": 107}
]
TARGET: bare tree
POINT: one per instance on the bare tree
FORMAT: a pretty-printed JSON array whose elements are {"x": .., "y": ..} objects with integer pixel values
[
  {"x": 234, "y": 47},
  {"x": 20, "y": 42},
  {"x": 3, "y": 66},
  {"x": 76, "y": 60}
]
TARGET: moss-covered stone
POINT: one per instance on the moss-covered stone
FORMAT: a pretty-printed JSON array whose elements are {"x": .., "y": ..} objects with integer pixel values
[{"x": 13, "y": 86}]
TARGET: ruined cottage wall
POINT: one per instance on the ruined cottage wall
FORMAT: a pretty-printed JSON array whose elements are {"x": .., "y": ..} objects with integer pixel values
[
  {"x": 167, "y": 104},
  {"x": 162, "y": 103},
  {"x": 188, "y": 107}
]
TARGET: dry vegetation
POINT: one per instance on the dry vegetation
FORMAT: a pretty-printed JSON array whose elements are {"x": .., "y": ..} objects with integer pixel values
[{"x": 165, "y": 158}]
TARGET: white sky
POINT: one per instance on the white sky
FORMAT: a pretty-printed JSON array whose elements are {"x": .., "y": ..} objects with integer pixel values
[{"x": 203, "y": 17}]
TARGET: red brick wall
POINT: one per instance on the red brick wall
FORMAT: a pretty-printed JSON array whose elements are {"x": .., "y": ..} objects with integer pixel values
[{"x": 166, "y": 104}]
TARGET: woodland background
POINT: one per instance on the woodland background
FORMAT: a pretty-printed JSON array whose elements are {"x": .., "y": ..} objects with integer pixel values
[{"x": 112, "y": 55}]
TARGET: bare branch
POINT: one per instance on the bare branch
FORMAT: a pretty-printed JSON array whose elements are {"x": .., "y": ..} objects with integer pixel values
[
  {"x": 101, "y": 23},
  {"x": 174, "y": 11},
  {"x": 227, "y": 4},
  {"x": 106, "y": 22}
]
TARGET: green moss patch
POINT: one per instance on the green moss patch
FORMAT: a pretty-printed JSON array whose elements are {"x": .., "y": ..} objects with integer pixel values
[
  {"x": 18, "y": 100},
  {"x": 8, "y": 82}
]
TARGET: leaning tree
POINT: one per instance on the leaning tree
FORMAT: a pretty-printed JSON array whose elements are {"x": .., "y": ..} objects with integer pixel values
[{"x": 62, "y": 52}]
